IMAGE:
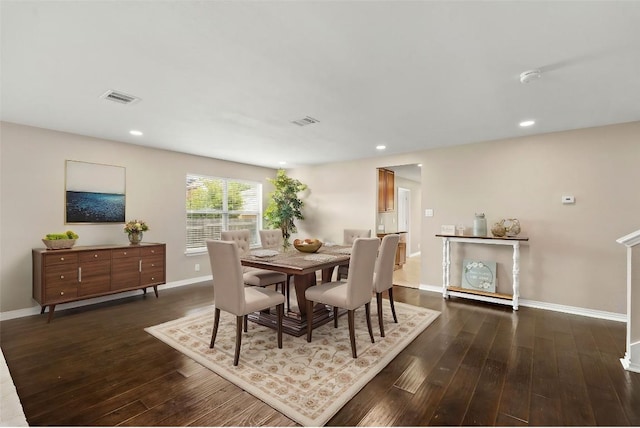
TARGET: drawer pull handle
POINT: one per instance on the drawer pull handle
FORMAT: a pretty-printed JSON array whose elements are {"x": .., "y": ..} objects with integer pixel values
[
  {"x": 61, "y": 259},
  {"x": 61, "y": 276},
  {"x": 95, "y": 255},
  {"x": 125, "y": 253},
  {"x": 153, "y": 265},
  {"x": 62, "y": 293},
  {"x": 139, "y": 265},
  {"x": 153, "y": 279},
  {"x": 79, "y": 274}
]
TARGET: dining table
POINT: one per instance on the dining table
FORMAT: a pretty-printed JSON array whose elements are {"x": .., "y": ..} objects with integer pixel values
[{"x": 303, "y": 267}]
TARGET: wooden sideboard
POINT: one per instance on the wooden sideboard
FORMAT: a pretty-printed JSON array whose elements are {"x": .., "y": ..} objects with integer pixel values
[{"x": 62, "y": 276}]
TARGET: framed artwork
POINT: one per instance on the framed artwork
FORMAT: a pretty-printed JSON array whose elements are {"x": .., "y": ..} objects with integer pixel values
[
  {"x": 94, "y": 193},
  {"x": 479, "y": 275}
]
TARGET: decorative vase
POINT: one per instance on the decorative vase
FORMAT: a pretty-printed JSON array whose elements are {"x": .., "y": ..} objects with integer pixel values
[
  {"x": 512, "y": 226},
  {"x": 498, "y": 230},
  {"x": 480, "y": 225},
  {"x": 135, "y": 238}
]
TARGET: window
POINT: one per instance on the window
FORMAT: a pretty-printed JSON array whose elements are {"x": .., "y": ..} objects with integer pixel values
[{"x": 216, "y": 204}]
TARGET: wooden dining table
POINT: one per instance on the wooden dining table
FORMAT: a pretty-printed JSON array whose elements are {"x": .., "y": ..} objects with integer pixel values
[{"x": 303, "y": 267}]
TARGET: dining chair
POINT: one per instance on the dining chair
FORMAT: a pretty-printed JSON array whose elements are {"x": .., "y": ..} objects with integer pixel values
[
  {"x": 351, "y": 235},
  {"x": 350, "y": 294},
  {"x": 383, "y": 275},
  {"x": 230, "y": 294},
  {"x": 272, "y": 239},
  {"x": 253, "y": 276}
]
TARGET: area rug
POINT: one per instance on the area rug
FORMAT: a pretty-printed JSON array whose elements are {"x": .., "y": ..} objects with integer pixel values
[{"x": 307, "y": 382}]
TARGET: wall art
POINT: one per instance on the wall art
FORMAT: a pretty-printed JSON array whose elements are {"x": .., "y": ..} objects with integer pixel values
[
  {"x": 479, "y": 275},
  {"x": 94, "y": 193}
]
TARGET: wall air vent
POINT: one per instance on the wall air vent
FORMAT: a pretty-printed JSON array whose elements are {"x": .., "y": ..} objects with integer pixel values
[
  {"x": 305, "y": 121},
  {"x": 119, "y": 97}
]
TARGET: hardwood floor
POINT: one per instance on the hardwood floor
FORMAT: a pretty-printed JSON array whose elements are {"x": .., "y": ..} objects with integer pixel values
[{"x": 477, "y": 364}]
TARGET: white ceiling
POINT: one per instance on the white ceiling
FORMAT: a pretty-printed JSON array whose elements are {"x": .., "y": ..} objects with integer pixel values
[{"x": 225, "y": 79}]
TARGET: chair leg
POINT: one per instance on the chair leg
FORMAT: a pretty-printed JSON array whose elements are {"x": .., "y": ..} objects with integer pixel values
[
  {"x": 216, "y": 321},
  {"x": 309, "y": 319},
  {"x": 280, "y": 309},
  {"x": 239, "y": 321},
  {"x": 245, "y": 322},
  {"x": 335, "y": 317},
  {"x": 393, "y": 308},
  {"x": 352, "y": 332},
  {"x": 367, "y": 311},
  {"x": 380, "y": 320}
]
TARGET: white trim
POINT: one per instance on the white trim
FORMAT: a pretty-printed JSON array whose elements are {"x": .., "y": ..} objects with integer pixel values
[
  {"x": 612, "y": 316},
  {"x": 632, "y": 366},
  {"x": 630, "y": 240},
  {"x": 35, "y": 310}
]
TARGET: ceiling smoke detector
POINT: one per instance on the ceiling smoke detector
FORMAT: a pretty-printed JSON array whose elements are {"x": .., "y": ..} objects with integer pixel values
[{"x": 529, "y": 76}]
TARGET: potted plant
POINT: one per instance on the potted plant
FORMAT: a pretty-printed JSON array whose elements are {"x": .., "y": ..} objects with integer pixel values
[
  {"x": 285, "y": 206},
  {"x": 134, "y": 230}
]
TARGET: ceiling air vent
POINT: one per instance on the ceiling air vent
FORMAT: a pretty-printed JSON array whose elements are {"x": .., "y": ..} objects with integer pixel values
[
  {"x": 119, "y": 97},
  {"x": 305, "y": 121}
]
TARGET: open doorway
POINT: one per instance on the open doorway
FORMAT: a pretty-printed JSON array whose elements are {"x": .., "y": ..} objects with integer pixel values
[{"x": 404, "y": 216}]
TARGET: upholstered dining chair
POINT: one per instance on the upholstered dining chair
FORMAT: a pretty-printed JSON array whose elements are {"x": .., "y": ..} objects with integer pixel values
[
  {"x": 351, "y": 235},
  {"x": 230, "y": 294},
  {"x": 383, "y": 275},
  {"x": 349, "y": 295},
  {"x": 272, "y": 239},
  {"x": 253, "y": 276}
]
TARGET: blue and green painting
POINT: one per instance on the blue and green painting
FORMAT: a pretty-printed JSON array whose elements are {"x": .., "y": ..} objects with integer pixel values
[{"x": 91, "y": 207}]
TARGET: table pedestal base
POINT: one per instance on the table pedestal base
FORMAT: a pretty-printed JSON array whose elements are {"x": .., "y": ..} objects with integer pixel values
[{"x": 295, "y": 323}]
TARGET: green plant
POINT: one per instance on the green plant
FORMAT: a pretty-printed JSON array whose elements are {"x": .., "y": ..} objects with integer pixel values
[
  {"x": 69, "y": 234},
  {"x": 285, "y": 207}
]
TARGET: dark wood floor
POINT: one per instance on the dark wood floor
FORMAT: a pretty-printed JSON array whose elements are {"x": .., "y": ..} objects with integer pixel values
[{"x": 477, "y": 364}]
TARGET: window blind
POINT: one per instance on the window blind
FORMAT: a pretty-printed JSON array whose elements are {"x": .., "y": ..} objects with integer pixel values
[{"x": 214, "y": 204}]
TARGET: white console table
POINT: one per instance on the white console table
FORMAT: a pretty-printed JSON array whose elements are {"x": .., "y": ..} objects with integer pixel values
[{"x": 504, "y": 299}]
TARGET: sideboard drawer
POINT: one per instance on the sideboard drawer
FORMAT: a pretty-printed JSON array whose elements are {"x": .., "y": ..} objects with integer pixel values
[
  {"x": 60, "y": 294},
  {"x": 60, "y": 259},
  {"x": 121, "y": 253},
  {"x": 61, "y": 275},
  {"x": 92, "y": 256},
  {"x": 152, "y": 251}
]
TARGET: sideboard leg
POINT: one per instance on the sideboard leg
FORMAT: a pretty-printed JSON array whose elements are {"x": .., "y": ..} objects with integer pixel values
[
  {"x": 42, "y": 310},
  {"x": 51, "y": 309},
  {"x": 155, "y": 290}
]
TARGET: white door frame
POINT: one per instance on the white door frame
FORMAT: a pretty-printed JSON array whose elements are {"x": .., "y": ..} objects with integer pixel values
[{"x": 404, "y": 213}]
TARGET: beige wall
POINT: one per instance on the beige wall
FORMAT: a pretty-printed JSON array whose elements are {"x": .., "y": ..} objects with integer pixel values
[
  {"x": 572, "y": 258},
  {"x": 32, "y": 198}
]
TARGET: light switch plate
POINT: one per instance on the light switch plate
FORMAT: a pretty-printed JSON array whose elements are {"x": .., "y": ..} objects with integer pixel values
[{"x": 428, "y": 212}]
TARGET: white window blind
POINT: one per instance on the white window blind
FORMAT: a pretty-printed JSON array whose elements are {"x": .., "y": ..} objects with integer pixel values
[{"x": 215, "y": 204}]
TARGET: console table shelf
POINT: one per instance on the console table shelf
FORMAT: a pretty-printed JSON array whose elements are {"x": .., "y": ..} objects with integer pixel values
[{"x": 500, "y": 298}]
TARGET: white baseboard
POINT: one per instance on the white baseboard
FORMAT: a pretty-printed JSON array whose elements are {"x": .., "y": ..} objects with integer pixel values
[
  {"x": 551, "y": 307},
  {"x": 35, "y": 310}
]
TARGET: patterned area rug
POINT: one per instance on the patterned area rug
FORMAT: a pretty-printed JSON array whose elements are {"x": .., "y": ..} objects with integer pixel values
[{"x": 307, "y": 382}]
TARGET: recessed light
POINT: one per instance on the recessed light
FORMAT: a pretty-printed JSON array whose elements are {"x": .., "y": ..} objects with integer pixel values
[
  {"x": 135, "y": 132},
  {"x": 526, "y": 123},
  {"x": 282, "y": 162},
  {"x": 419, "y": 165},
  {"x": 381, "y": 147}
]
